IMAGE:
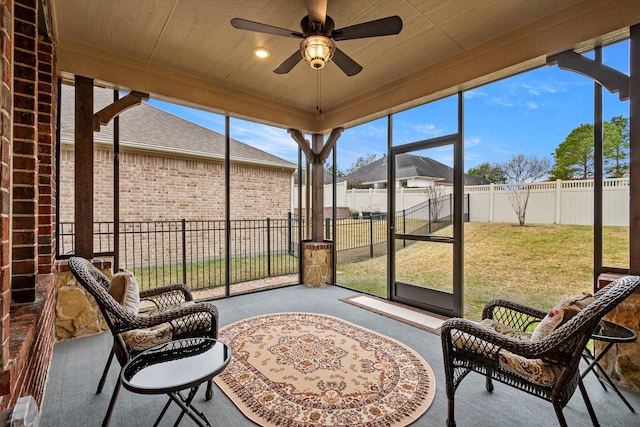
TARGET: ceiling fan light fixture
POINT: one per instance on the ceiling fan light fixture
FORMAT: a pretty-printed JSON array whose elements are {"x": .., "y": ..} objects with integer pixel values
[{"x": 317, "y": 51}]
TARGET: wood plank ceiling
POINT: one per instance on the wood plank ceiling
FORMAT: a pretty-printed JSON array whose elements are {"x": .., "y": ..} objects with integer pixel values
[{"x": 187, "y": 52}]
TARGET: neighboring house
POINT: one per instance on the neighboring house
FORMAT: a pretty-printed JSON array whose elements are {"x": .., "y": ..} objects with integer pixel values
[
  {"x": 411, "y": 171},
  {"x": 327, "y": 178},
  {"x": 171, "y": 169}
]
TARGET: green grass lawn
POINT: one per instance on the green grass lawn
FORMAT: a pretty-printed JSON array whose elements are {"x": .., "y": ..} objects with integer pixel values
[
  {"x": 211, "y": 274},
  {"x": 538, "y": 265}
]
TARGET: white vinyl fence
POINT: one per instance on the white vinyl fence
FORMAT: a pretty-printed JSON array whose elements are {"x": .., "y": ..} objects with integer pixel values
[
  {"x": 555, "y": 202},
  {"x": 559, "y": 202}
]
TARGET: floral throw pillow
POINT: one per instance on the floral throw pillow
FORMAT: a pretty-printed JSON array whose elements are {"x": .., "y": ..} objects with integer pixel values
[{"x": 560, "y": 314}]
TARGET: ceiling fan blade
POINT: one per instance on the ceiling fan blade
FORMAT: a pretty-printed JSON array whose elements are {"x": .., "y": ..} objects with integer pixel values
[
  {"x": 345, "y": 63},
  {"x": 380, "y": 27},
  {"x": 244, "y": 24},
  {"x": 289, "y": 63},
  {"x": 317, "y": 10}
]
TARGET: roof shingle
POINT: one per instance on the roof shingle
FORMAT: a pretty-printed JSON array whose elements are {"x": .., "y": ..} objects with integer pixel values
[
  {"x": 410, "y": 166},
  {"x": 147, "y": 127}
]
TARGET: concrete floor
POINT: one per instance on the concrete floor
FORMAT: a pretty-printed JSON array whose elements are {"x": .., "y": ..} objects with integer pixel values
[{"x": 70, "y": 398}]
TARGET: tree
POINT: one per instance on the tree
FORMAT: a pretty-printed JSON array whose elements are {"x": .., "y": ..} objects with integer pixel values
[
  {"x": 361, "y": 162},
  {"x": 574, "y": 156},
  {"x": 434, "y": 196},
  {"x": 521, "y": 171},
  {"x": 491, "y": 172},
  {"x": 328, "y": 169},
  {"x": 616, "y": 147}
]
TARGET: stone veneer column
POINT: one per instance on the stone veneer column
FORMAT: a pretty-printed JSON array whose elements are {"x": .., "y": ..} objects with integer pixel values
[
  {"x": 77, "y": 313},
  {"x": 622, "y": 361},
  {"x": 317, "y": 260}
]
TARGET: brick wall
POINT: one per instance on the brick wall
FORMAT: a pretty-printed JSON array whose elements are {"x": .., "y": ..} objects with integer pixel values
[
  {"x": 31, "y": 344},
  {"x": 6, "y": 102},
  {"x": 47, "y": 95},
  {"x": 25, "y": 163},
  {"x": 27, "y": 112},
  {"x": 157, "y": 187}
]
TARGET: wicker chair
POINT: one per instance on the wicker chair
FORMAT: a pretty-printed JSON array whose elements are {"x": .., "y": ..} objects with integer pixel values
[
  {"x": 194, "y": 320},
  {"x": 468, "y": 346}
]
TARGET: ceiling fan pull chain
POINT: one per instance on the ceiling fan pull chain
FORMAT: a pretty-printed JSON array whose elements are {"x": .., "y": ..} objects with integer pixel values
[{"x": 319, "y": 92}]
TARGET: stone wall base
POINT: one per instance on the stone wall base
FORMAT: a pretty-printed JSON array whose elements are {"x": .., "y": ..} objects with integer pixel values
[
  {"x": 77, "y": 313},
  {"x": 317, "y": 260},
  {"x": 622, "y": 361}
]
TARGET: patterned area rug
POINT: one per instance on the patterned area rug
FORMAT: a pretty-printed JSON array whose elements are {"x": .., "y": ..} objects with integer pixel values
[{"x": 303, "y": 369}]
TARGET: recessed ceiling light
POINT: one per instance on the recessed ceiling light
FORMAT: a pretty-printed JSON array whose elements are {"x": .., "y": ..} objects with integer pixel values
[{"x": 261, "y": 52}]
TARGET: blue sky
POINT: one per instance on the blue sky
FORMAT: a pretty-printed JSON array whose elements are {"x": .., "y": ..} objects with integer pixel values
[{"x": 530, "y": 113}]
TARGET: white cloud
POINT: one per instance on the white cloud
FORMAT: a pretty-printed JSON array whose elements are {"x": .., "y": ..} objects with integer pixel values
[
  {"x": 427, "y": 129},
  {"x": 538, "y": 89},
  {"x": 273, "y": 140},
  {"x": 474, "y": 93},
  {"x": 471, "y": 141},
  {"x": 502, "y": 101}
]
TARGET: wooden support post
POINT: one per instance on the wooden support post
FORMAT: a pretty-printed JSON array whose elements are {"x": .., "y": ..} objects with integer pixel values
[
  {"x": 316, "y": 154},
  {"x": 634, "y": 151},
  {"x": 107, "y": 114},
  {"x": 83, "y": 209},
  {"x": 317, "y": 191}
]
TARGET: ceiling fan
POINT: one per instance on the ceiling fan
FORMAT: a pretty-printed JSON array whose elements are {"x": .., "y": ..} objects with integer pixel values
[{"x": 319, "y": 36}]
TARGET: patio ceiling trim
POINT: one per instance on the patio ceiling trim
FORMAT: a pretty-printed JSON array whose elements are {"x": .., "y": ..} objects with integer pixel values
[
  {"x": 515, "y": 52},
  {"x": 112, "y": 70},
  {"x": 579, "y": 27}
]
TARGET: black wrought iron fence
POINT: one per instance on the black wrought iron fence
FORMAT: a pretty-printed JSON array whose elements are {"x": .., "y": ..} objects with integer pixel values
[
  {"x": 429, "y": 216},
  {"x": 193, "y": 252},
  {"x": 367, "y": 235}
]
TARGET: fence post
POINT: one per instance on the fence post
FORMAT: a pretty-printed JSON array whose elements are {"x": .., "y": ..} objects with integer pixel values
[
  {"x": 327, "y": 228},
  {"x": 184, "y": 251},
  {"x": 404, "y": 226},
  {"x": 429, "y": 213},
  {"x": 558, "y": 200},
  {"x": 268, "y": 247},
  {"x": 491, "y": 194},
  {"x": 468, "y": 208},
  {"x": 290, "y": 232},
  {"x": 371, "y": 235},
  {"x": 451, "y": 209}
]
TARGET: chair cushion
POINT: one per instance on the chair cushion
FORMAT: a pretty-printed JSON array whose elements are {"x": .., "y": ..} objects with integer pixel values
[
  {"x": 469, "y": 342},
  {"x": 561, "y": 314},
  {"x": 124, "y": 289},
  {"x": 506, "y": 330},
  {"x": 533, "y": 370},
  {"x": 142, "y": 339}
]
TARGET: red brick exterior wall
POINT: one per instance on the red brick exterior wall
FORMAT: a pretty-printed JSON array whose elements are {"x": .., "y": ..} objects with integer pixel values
[
  {"x": 158, "y": 187},
  {"x": 47, "y": 96},
  {"x": 25, "y": 163},
  {"x": 6, "y": 103},
  {"x": 27, "y": 133}
]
